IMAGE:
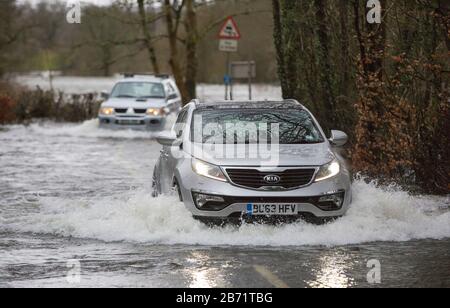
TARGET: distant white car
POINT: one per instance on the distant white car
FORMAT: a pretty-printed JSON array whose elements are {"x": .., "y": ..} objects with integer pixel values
[{"x": 140, "y": 102}]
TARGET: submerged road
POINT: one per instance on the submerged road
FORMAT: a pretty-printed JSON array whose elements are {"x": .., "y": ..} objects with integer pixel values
[{"x": 76, "y": 200}]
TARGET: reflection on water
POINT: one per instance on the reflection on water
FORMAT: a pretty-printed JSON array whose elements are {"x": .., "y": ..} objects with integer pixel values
[
  {"x": 332, "y": 272},
  {"x": 203, "y": 275},
  {"x": 201, "y": 279}
]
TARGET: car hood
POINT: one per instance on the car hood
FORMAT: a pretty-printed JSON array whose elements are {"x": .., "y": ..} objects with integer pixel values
[
  {"x": 282, "y": 155},
  {"x": 132, "y": 103}
]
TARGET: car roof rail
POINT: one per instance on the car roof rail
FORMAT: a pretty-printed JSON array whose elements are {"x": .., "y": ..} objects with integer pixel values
[
  {"x": 132, "y": 75},
  {"x": 162, "y": 76},
  {"x": 291, "y": 100},
  {"x": 196, "y": 101}
]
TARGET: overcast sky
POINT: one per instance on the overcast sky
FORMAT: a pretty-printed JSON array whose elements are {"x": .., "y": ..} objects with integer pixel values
[{"x": 98, "y": 2}]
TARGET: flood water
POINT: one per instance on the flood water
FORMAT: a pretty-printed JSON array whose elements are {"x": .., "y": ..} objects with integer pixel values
[{"x": 74, "y": 192}]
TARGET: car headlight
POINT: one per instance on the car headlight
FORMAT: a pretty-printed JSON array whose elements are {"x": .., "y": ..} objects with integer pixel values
[
  {"x": 207, "y": 170},
  {"x": 106, "y": 111},
  {"x": 328, "y": 171},
  {"x": 157, "y": 112}
]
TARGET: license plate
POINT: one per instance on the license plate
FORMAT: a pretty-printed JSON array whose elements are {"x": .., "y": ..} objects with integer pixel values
[
  {"x": 129, "y": 122},
  {"x": 259, "y": 209}
]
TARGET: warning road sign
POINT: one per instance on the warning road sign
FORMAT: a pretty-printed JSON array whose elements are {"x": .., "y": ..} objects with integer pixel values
[{"x": 229, "y": 30}]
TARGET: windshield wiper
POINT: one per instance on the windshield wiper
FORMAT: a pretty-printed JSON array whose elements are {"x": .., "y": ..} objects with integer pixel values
[
  {"x": 302, "y": 142},
  {"x": 147, "y": 97},
  {"x": 125, "y": 96}
]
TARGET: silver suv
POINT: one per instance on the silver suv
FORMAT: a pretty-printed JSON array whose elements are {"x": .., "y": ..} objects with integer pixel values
[
  {"x": 140, "y": 102},
  {"x": 253, "y": 161}
]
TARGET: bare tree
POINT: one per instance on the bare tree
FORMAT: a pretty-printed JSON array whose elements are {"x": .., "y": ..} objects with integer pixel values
[
  {"x": 148, "y": 40},
  {"x": 173, "y": 12},
  {"x": 279, "y": 45},
  {"x": 13, "y": 26},
  {"x": 191, "y": 50}
]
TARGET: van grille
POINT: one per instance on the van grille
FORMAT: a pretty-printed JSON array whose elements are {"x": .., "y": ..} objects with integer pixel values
[{"x": 288, "y": 179}]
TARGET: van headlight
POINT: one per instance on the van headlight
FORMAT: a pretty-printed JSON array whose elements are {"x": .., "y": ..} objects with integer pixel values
[
  {"x": 207, "y": 170},
  {"x": 106, "y": 111},
  {"x": 157, "y": 112},
  {"x": 328, "y": 171}
]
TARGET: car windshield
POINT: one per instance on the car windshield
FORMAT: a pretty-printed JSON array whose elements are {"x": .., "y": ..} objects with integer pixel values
[
  {"x": 249, "y": 126},
  {"x": 138, "y": 90}
]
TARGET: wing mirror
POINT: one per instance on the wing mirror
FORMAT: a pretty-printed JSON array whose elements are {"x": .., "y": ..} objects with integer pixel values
[
  {"x": 172, "y": 96},
  {"x": 104, "y": 95},
  {"x": 168, "y": 141},
  {"x": 338, "y": 138}
]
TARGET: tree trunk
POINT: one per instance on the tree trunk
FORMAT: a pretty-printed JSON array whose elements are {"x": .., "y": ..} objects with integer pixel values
[
  {"x": 191, "y": 51},
  {"x": 291, "y": 45},
  {"x": 279, "y": 45},
  {"x": 345, "y": 47},
  {"x": 444, "y": 12},
  {"x": 174, "y": 61},
  {"x": 106, "y": 57},
  {"x": 147, "y": 37},
  {"x": 326, "y": 71}
]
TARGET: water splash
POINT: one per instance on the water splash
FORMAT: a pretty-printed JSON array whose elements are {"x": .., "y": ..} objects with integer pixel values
[
  {"x": 375, "y": 215},
  {"x": 87, "y": 129}
]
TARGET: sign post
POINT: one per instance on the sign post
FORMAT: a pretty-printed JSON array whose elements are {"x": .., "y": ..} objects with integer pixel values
[
  {"x": 244, "y": 70},
  {"x": 229, "y": 37}
]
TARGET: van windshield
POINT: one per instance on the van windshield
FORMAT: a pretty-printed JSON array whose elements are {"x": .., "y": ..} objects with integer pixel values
[
  {"x": 247, "y": 126},
  {"x": 138, "y": 90}
]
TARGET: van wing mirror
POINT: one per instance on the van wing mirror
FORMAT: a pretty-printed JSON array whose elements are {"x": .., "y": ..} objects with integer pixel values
[
  {"x": 104, "y": 95},
  {"x": 338, "y": 138},
  {"x": 172, "y": 96}
]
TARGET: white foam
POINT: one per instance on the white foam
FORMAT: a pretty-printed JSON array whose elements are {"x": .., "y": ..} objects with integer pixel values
[
  {"x": 376, "y": 215},
  {"x": 87, "y": 129}
]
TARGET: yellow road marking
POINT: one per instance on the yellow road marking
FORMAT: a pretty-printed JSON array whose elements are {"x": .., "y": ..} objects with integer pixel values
[{"x": 270, "y": 277}]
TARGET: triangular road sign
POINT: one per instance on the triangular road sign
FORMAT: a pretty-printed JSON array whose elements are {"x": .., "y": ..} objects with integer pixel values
[{"x": 229, "y": 30}]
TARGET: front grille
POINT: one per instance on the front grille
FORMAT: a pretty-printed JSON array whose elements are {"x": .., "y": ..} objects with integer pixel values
[
  {"x": 253, "y": 178},
  {"x": 140, "y": 111},
  {"x": 246, "y": 200},
  {"x": 130, "y": 122},
  {"x": 120, "y": 110}
]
